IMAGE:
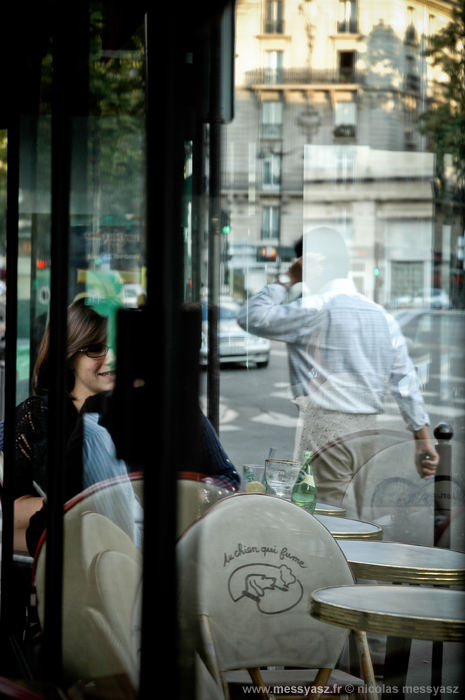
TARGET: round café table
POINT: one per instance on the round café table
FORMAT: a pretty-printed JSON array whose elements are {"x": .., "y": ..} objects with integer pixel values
[
  {"x": 400, "y": 612},
  {"x": 405, "y": 563},
  {"x": 417, "y": 613},
  {"x": 347, "y": 529},
  {"x": 326, "y": 509}
]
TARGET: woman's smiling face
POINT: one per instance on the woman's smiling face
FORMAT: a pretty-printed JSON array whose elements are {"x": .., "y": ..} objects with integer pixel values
[{"x": 92, "y": 375}]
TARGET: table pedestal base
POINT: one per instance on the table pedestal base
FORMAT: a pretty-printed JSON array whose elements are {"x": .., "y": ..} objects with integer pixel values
[
  {"x": 436, "y": 671},
  {"x": 396, "y": 666}
]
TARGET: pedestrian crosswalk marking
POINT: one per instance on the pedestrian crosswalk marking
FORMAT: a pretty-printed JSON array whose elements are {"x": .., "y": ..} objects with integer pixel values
[{"x": 274, "y": 418}]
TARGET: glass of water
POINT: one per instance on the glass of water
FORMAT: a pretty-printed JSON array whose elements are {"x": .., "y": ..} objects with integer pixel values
[
  {"x": 254, "y": 478},
  {"x": 281, "y": 475}
]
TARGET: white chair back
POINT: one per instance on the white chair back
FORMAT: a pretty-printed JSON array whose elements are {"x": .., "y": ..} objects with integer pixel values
[
  {"x": 114, "y": 580},
  {"x": 101, "y": 574},
  {"x": 113, "y": 498},
  {"x": 249, "y": 566},
  {"x": 194, "y": 498}
]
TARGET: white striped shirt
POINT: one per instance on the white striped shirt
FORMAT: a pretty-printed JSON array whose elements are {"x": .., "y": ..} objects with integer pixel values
[{"x": 345, "y": 351}]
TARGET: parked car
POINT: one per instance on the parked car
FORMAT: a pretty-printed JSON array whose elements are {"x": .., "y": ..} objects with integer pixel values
[
  {"x": 426, "y": 298},
  {"x": 235, "y": 344},
  {"x": 436, "y": 343},
  {"x": 132, "y": 294},
  {"x": 434, "y": 298}
]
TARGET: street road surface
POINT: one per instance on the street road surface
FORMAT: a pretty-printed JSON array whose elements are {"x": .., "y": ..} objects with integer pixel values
[{"x": 256, "y": 411}]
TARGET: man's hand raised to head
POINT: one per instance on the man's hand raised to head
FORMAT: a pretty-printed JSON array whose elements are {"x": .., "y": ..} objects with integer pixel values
[{"x": 295, "y": 271}]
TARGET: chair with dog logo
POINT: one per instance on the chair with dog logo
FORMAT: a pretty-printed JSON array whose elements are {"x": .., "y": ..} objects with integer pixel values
[{"x": 246, "y": 571}]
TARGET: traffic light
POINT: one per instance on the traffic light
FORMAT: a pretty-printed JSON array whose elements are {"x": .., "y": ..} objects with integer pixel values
[{"x": 225, "y": 222}]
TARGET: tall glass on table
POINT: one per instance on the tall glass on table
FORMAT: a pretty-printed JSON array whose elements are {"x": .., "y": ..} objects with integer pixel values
[
  {"x": 253, "y": 478},
  {"x": 280, "y": 476}
]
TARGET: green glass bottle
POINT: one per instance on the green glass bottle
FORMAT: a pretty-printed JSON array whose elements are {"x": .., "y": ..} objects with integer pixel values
[{"x": 304, "y": 491}]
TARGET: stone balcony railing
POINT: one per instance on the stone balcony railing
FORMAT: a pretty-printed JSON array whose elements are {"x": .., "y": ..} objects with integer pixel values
[
  {"x": 304, "y": 76},
  {"x": 242, "y": 181},
  {"x": 330, "y": 78}
]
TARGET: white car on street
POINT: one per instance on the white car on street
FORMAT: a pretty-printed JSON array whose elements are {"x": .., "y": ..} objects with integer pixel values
[{"x": 235, "y": 344}]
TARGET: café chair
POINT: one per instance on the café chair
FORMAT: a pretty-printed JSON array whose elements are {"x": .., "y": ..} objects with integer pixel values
[
  {"x": 113, "y": 582},
  {"x": 137, "y": 481},
  {"x": 111, "y": 498},
  {"x": 205, "y": 686},
  {"x": 135, "y": 629},
  {"x": 195, "y": 496},
  {"x": 388, "y": 490},
  {"x": 376, "y": 452},
  {"x": 28, "y": 690},
  {"x": 406, "y": 509},
  {"x": 246, "y": 570},
  {"x": 101, "y": 574}
]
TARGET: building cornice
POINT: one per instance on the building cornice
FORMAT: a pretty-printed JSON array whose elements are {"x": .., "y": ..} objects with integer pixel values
[
  {"x": 273, "y": 37},
  {"x": 445, "y": 7}
]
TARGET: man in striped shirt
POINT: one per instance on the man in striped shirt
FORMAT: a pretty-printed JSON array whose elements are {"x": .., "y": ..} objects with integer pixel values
[{"x": 345, "y": 353}]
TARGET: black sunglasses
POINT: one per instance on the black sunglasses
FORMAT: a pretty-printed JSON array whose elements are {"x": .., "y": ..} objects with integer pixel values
[{"x": 94, "y": 351}]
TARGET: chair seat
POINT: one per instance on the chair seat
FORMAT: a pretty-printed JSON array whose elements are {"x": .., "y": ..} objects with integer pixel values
[{"x": 294, "y": 677}]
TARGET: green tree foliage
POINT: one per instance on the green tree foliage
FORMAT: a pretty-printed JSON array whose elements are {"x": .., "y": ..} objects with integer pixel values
[
  {"x": 117, "y": 117},
  {"x": 115, "y": 126},
  {"x": 444, "y": 122}
]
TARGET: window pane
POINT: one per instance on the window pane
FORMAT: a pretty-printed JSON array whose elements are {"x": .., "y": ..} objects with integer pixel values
[
  {"x": 363, "y": 167},
  {"x": 273, "y": 66},
  {"x": 345, "y": 113},
  {"x": 270, "y": 222},
  {"x": 347, "y": 19},
  {"x": 274, "y": 17},
  {"x": 272, "y": 117},
  {"x": 271, "y": 171}
]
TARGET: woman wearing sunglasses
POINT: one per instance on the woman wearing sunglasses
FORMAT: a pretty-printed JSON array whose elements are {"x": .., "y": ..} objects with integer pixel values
[{"x": 90, "y": 371}]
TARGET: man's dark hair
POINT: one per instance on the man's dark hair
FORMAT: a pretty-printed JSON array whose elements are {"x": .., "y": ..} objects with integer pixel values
[{"x": 298, "y": 248}]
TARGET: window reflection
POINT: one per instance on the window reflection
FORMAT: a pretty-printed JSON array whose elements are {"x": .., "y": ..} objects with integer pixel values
[{"x": 361, "y": 152}]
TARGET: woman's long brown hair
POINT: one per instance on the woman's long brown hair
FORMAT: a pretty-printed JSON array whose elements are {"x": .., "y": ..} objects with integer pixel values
[{"x": 85, "y": 327}]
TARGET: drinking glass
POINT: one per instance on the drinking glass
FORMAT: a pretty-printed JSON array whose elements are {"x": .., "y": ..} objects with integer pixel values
[
  {"x": 281, "y": 475},
  {"x": 254, "y": 478}
]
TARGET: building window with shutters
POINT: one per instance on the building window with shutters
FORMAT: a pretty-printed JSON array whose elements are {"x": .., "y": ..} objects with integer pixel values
[
  {"x": 347, "y": 17},
  {"x": 273, "y": 67},
  {"x": 272, "y": 120},
  {"x": 271, "y": 171},
  {"x": 270, "y": 222},
  {"x": 274, "y": 17},
  {"x": 345, "y": 119}
]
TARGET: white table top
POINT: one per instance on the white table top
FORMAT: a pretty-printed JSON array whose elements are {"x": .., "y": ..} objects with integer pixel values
[
  {"x": 404, "y": 563},
  {"x": 415, "y": 612},
  {"x": 345, "y": 528}
]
